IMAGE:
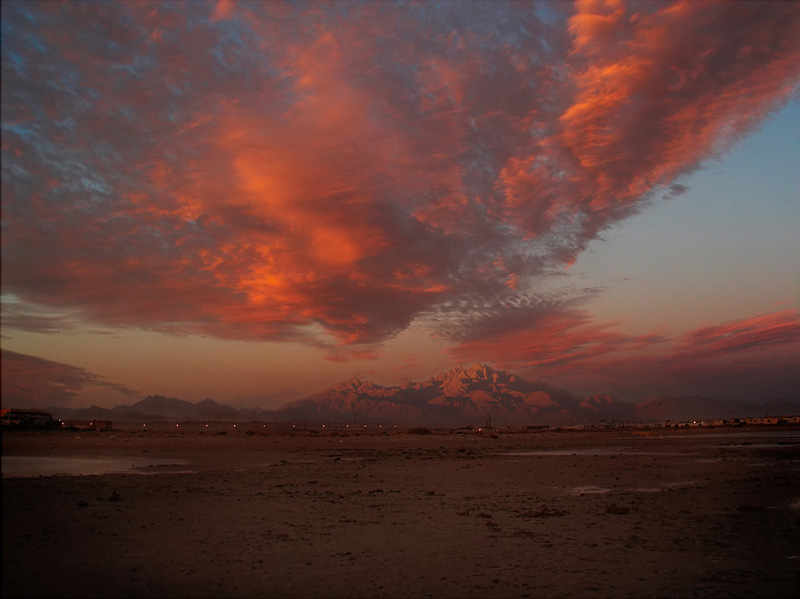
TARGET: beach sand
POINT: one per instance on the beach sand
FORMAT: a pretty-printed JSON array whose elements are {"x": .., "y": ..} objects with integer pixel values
[{"x": 670, "y": 513}]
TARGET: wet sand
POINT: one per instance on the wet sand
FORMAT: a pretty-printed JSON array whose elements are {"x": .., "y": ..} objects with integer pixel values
[{"x": 590, "y": 514}]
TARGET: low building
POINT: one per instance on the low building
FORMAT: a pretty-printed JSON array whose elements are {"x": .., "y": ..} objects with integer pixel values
[
  {"x": 773, "y": 420},
  {"x": 32, "y": 417}
]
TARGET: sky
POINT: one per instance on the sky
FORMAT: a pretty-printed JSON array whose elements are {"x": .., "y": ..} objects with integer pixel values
[{"x": 252, "y": 201}]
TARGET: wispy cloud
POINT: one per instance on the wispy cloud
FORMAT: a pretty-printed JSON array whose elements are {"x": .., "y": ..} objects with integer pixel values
[
  {"x": 755, "y": 358},
  {"x": 29, "y": 381},
  {"x": 271, "y": 170}
]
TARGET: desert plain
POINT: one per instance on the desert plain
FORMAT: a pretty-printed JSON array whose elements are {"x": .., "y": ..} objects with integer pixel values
[{"x": 393, "y": 513}]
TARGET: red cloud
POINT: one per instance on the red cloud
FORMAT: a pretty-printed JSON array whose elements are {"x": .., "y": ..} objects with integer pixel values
[
  {"x": 753, "y": 358},
  {"x": 652, "y": 103},
  {"x": 560, "y": 341},
  {"x": 270, "y": 171},
  {"x": 769, "y": 330}
]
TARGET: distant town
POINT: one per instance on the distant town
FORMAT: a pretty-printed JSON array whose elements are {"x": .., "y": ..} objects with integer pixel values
[{"x": 36, "y": 419}]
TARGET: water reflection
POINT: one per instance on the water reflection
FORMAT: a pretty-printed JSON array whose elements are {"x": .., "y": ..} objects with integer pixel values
[
  {"x": 595, "y": 451},
  {"x": 27, "y": 466}
]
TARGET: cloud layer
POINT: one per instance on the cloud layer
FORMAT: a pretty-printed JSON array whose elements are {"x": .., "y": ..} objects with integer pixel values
[
  {"x": 332, "y": 172},
  {"x": 29, "y": 381},
  {"x": 753, "y": 359}
]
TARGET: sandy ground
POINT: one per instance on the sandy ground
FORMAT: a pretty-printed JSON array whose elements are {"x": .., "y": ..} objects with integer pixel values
[{"x": 618, "y": 514}]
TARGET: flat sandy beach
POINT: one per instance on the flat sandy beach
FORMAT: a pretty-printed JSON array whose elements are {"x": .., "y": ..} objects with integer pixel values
[{"x": 669, "y": 513}]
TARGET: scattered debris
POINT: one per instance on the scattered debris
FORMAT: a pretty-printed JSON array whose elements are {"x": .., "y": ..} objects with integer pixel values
[
  {"x": 617, "y": 509},
  {"x": 520, "y": 532},
  {"x": 543, "y": 512}
]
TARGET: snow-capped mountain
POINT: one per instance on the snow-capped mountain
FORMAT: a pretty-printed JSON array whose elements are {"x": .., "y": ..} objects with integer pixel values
[{"x": 474, "y": 394}]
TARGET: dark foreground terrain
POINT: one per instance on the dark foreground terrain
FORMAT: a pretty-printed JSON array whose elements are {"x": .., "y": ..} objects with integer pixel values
[{"x": 590, "y": 514}]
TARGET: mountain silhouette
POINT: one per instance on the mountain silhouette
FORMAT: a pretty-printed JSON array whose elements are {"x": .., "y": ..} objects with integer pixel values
[
  {"x": 475, "y": 395},
  {"x": 158, "y": 407}
]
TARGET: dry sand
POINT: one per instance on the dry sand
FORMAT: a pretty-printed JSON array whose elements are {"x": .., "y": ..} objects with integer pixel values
[{"x": 673, "y": 514}]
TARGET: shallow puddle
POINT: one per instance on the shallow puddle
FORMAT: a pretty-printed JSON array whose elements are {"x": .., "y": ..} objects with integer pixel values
[
  {"x": 595, "y": 451},
  {"x": 28, "y": 466},
  {"x": 589, "y": 490}
]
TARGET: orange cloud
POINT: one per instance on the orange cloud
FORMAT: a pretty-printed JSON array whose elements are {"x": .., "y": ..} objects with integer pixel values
[
  {"x": 653, "y": 104},
  {"x": 222, "y": 10},
  {"x": 332, "y": 173}
]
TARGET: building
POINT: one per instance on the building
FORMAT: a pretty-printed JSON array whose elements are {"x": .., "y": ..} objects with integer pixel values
[{"x": 32, "y": 417}]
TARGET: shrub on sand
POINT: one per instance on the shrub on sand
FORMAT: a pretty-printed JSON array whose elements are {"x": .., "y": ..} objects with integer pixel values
[{"x": 420, "y": 430}]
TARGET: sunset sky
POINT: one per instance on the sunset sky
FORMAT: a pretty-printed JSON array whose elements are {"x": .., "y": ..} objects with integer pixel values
[{"x": 251, "y": 201}]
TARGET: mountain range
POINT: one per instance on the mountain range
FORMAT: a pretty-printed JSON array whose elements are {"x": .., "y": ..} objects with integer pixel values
[
  {"x": 158, "y": 407},
  {"x": 475, "y": 395}
]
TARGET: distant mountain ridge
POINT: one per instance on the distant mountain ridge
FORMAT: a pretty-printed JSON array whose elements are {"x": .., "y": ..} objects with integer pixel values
[
  {"x": 474, "y": 395},
  {"x": 461, "y": 395},
  {"x": 480, "y": 393},
  {"x": 158, "y": 407}
]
